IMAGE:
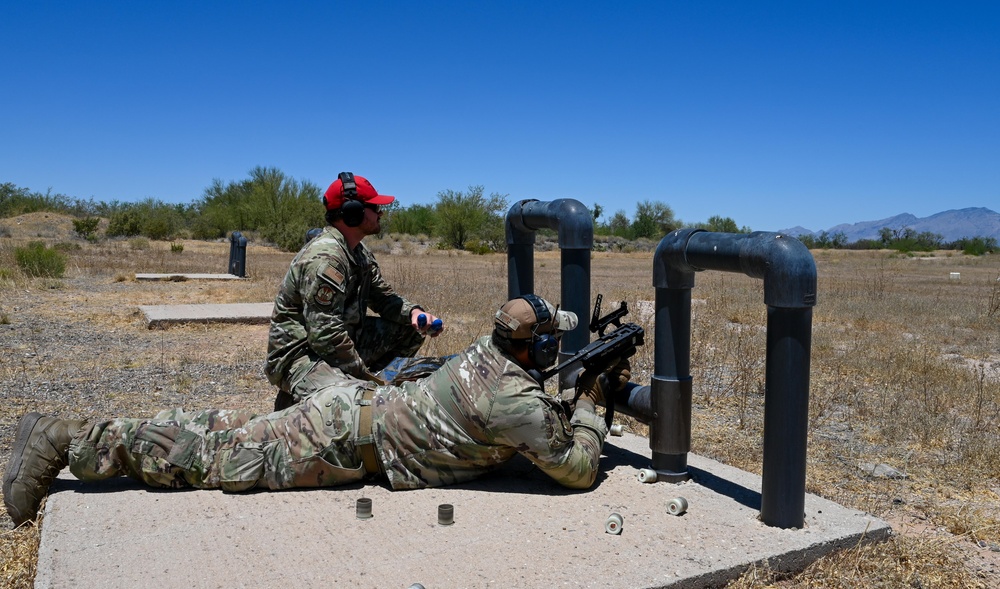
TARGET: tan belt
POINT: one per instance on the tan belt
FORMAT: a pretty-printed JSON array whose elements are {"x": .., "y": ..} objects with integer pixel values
[{"x": 365, "y": 442}]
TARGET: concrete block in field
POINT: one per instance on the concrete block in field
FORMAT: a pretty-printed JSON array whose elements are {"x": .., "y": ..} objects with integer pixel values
[
  {"x": 181, "y": 277},
  {"x": 165, "y": 315}
]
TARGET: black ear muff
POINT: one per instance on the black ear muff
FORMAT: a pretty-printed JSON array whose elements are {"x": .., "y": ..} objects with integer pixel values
[
  {"x": 544, "y": 351},
  {"x": 544, "y": 348},
  {"x": 353, "y": 209}
]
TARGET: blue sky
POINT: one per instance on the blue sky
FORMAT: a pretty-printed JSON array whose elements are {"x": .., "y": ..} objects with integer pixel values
[{"x": 776, "y": 114}]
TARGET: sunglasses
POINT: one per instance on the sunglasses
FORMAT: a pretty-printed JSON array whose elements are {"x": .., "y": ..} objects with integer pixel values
[{"x": 375, "y": 208}]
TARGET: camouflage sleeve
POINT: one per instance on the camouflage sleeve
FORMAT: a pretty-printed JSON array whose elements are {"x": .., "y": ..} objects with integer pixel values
[
  {"x": 324, "y": 303},
  {"x": 385, "y": 301},
  {"x": 568, "y": 450}
]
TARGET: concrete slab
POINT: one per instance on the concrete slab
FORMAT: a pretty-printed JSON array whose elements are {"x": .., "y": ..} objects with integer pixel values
[
  {"x": 183, "y": 277},
  {"x": 514, "y": 528},
  {"x": 164, "y": 315}
]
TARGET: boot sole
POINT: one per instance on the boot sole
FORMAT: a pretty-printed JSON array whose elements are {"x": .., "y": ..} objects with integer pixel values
[{"x": 24, "y": 428}]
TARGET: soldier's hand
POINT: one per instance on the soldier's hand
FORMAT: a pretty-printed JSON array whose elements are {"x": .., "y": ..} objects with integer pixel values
[
  {"x": 592, "y": 385},
  {"x": 426, "y": 323},
  {"x": 620, "y": 374}
]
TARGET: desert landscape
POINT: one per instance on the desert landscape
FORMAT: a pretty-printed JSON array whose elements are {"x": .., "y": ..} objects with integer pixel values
[{"x": 904, "y": 393}]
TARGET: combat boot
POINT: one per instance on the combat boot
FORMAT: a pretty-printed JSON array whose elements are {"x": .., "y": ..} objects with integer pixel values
[{"x": 41, "y": 450}]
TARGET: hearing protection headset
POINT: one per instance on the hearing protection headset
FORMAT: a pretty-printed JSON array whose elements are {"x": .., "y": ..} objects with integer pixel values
[
  {"x": 353, "y": 209},
  {"x": 544, "y": 348}
]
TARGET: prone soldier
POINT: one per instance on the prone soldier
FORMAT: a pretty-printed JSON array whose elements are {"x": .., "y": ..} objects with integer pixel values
[{"x": 463, "y": 420}]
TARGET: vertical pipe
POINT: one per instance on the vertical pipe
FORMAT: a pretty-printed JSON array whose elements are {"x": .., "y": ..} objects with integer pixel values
[
  {"x": 575, "y": 297},
  {"x": 237, "y": 254},
  {"x": 786, "y": 416},
  {"x": 670, "y": 390},
  {"x": 520, "y": 270}
]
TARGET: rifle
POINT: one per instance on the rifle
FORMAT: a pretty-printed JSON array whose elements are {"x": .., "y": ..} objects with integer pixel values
[{"x": 597, "y": 355}]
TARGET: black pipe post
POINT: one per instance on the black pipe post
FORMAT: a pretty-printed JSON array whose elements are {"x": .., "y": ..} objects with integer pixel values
[
  {"x": 238, "y": 254},
  {"x": 520, "y": 253},
  {"x": 670, "y": 388},
  {"x": 575, "y": 226},
  {"x": 313, "y": 234},
  {"x": 786, "y": 416},
  {"x": 789, "y": 274}
]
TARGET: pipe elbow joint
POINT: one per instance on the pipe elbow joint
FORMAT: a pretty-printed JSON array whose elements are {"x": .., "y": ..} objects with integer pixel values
[
  {"x": 516, "y": 230},
  {"x": 785, "y": 264},
  {"x": 576, "y": 223},
  {"x": 670, "y": 264}
]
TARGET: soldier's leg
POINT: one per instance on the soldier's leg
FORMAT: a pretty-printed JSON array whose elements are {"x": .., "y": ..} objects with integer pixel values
[
  {"x": 308, "y": 445},
  {"x": 218, "y": 419},
  {"x": 380, "y": 342},
  {"x": 320, "y": 376}
]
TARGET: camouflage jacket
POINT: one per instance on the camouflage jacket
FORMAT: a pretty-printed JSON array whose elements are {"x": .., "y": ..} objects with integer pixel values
[
  {"x": 325, "y": 294},
  {"x": 473, "y": 414}
]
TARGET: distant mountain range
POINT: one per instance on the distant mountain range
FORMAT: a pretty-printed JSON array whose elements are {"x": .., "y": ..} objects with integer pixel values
[{"x": 951, "y": 225}]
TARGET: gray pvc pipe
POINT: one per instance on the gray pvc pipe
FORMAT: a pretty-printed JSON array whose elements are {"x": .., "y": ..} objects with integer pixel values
[
  {"x": 789, "y": 274},
  {"x": 575, "y": 226}
]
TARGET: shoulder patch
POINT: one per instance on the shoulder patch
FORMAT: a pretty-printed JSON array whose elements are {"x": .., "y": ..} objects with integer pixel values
[
  {"x": 334, "y": 276},
  {"x": 324, "y": 295}
]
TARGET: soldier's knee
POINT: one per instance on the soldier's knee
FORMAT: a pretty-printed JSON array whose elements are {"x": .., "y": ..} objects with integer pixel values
[
  {"x": 248, "y": 464},
  {"x": 166, "y": 454}
]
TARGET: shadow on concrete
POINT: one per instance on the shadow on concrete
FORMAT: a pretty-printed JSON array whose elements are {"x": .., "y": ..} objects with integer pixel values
[{"x": 734, "y": 491}]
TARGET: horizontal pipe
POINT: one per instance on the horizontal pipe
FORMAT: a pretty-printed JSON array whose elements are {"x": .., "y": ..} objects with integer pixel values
[
  {"x": 570, "y": 218},
  {"x": 783, "y": 262}
]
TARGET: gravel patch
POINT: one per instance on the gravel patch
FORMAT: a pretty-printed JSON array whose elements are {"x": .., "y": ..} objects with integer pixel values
[{"x": 76, "y": 351}]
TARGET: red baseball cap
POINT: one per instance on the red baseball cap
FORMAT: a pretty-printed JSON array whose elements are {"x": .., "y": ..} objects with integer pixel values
[{"x": 334, "y": 195}]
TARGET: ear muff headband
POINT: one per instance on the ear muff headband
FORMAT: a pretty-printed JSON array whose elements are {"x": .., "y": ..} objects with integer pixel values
[
  {"x": 544, "y": 348},
  {"x": 353, "y": 209}
]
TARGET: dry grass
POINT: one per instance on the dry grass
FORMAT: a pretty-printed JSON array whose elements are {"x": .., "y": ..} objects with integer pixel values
[
  {"x": 19, "y": 556},
  {"x": 905, "y": 372}
]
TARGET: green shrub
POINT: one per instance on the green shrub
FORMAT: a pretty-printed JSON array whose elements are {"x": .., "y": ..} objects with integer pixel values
[
  {"x": 978, "y": 246},
  {"x": 86, "y": 228},
  {"x": 36, "y": 259},
  {"x": 157, "y": 229},
  {"x": 125, "y": 223},
  {"x": 477, "y": 247},
  {"x": 289, "y": 236},
  {"x": 176, "y": 247}
]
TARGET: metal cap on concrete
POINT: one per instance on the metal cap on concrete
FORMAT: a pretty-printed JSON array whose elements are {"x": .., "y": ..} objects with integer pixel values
[{"x": 514, "y": 528}]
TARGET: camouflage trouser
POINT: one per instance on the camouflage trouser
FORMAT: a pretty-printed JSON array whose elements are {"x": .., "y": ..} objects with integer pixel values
[
  {"x": 308, "y": 445},
  {"x": 378, "y": 343}
]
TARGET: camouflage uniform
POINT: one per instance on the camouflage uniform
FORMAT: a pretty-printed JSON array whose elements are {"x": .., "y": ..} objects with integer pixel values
[
  {"x": 470, "y": 416},
  {"x": 320, "y": 316}
]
